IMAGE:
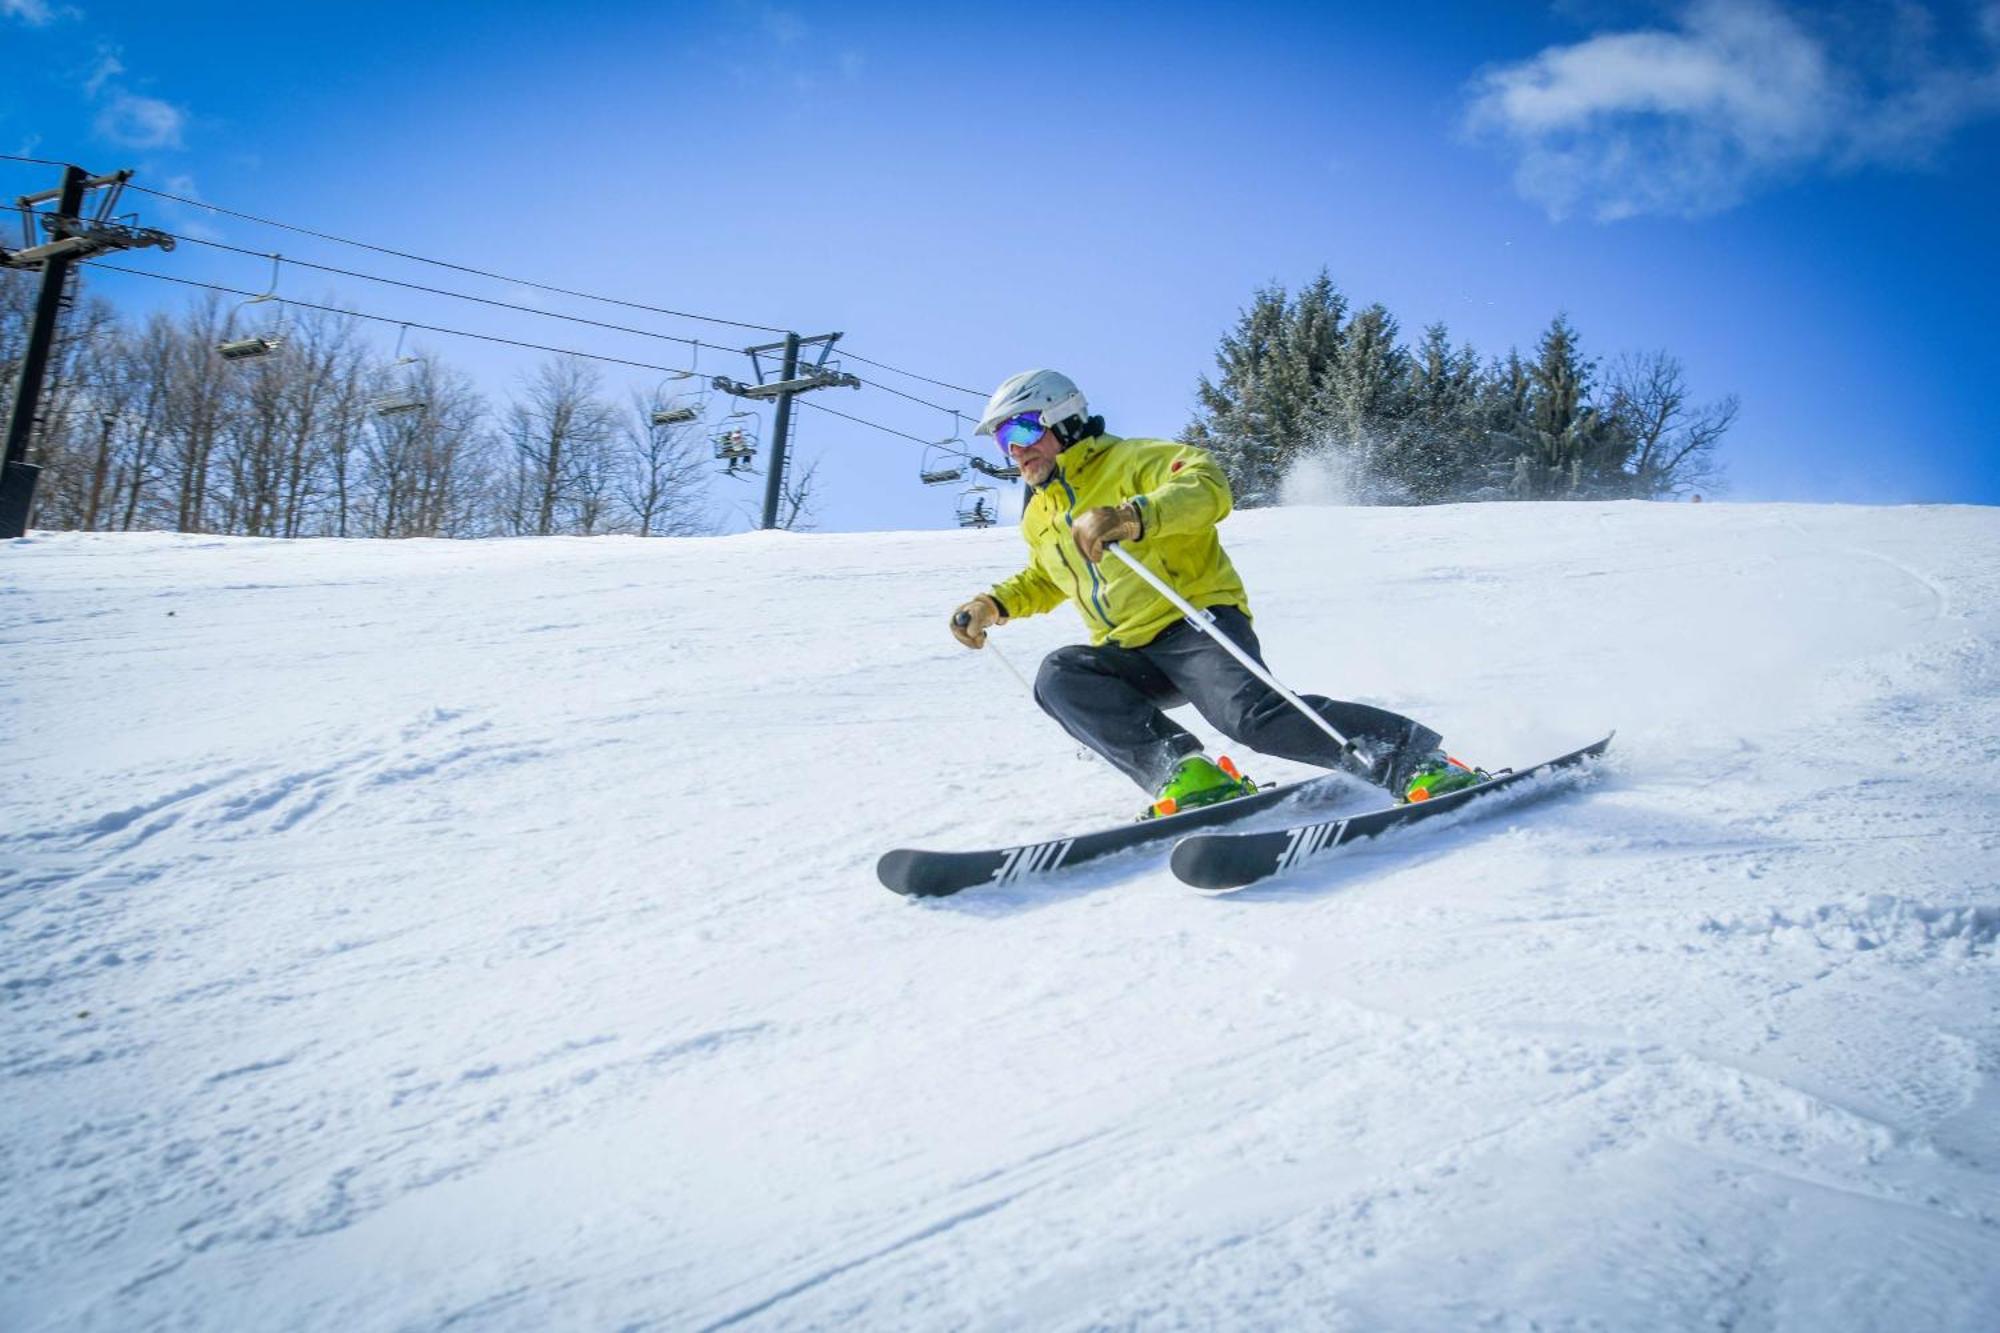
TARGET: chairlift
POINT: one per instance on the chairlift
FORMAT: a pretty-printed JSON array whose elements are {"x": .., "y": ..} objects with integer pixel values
[
  {"x": 258, "y": 344},
  {"x": 944, "y": 461},
  {"x": 976, "y": 508},
  {"x": 677, "y": 411},
  {"x": 736, "y": 443},
  {"x": 402, "y": 393},
  {"x": 941, "y": 464}
]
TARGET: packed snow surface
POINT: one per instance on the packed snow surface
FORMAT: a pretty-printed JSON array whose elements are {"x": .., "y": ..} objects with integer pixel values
[{"x": 401, "y": 935}]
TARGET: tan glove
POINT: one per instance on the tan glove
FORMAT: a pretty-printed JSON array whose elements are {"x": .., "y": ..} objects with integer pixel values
[
  {"x": 1094, "y": 529},
  {"x": 970, "y": 622}
]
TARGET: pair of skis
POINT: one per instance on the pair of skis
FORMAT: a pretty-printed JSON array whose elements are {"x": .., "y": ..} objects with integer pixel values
[{"x": 1215, "y": 862}]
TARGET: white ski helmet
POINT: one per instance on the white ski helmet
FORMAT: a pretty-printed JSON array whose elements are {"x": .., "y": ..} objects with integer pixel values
[{"x": 1049, "y": 392}]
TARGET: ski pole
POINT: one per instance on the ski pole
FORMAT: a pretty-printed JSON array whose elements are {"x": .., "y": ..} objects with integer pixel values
[
  {"x": 1205, "y": 622},
  {"x": 962, "y": 620}
]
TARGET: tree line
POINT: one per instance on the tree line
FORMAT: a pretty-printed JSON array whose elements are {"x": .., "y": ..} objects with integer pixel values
[
  {"x": 146, "y": 425},
  {"x": 1305, "y": 380}
]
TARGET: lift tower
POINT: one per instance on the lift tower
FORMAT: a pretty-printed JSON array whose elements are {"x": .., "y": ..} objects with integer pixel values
[
  {"x": 790, "y": 381},
  {"x": 70, "y": 237}
]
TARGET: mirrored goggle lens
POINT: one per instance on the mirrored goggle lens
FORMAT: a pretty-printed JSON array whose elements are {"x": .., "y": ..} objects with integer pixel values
[{"x": 1018, "y": 432}]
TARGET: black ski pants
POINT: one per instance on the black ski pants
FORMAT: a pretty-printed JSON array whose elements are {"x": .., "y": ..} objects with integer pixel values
[{"x": 1111, "y": 698}]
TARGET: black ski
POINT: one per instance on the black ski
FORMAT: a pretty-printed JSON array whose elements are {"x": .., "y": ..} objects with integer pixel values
[
  {"x": 926, "y": 874},
  {"x": 1223, "y": 862}
]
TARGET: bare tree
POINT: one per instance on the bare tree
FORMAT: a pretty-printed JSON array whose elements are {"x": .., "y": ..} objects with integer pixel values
[
  {"x": 250, "y": 441},
  {"x": 329, "y": 352},
  {"x": 560, "y": 432},
  {"x": 665, "y": 467},
  {"x": 1673, "y": 441},
  {"x": 423, "y": 454},
  {"x": 196, "y": 405},
  {"x": 17, "y": 307},
  {"x": 454, "y": 465},
  {"x": 145, "y": 366},
  {"x": 344, "y": 443},
  {"x": 73, "y": 434},
  {"x": 795, "y": 497}
]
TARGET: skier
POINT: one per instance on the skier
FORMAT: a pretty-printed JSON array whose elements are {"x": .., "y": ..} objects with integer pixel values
[{"x": 1160, "y": 501}]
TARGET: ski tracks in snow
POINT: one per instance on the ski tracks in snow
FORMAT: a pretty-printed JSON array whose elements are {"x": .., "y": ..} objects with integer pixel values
[{"x": 540, "y": 977}]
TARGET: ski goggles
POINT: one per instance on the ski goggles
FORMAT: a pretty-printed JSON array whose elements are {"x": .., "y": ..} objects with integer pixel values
[{"x": 1018, "y": 432}]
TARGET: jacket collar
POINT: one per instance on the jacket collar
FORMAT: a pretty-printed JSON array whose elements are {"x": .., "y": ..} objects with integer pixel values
[{"x": 1077, "y": 456}]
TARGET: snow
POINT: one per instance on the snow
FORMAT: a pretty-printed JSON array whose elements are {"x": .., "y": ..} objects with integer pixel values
[{"x": 395, "y": 935}]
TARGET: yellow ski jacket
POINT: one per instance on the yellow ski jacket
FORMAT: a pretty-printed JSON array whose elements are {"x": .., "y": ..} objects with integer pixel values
[{"x": 1180, "y": 494}]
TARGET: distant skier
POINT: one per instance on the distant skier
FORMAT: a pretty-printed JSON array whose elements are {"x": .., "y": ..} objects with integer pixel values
[{"x": 1161, "y": 501}]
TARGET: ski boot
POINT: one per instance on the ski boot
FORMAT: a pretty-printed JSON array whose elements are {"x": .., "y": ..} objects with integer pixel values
[
  {"x": 1197, "y": 780},
  {"x": 1437, "y": 775}
]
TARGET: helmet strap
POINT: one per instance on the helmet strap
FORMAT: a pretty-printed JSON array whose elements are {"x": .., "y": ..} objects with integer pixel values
[{"x": 1071, "y": 429}]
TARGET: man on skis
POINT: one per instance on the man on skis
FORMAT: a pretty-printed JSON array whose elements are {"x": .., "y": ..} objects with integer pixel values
[{"x": 1160, "y": 501}]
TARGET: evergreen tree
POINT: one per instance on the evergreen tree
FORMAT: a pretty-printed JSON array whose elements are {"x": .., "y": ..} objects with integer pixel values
[
  {"x": 1436, "y": 454},
  {"x": 1567, "y": 447},
  {"x": 1429, "y": 424},
  {"x": 1256, "y": 418},
  {"x": 1361, "y": 406}
]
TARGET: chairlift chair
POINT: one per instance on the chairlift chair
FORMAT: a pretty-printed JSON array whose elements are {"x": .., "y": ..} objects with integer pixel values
[
  {"x": 736, "y": 443},
  {"x": 243, "y": 349},
  {"x": 941, "y": 464},
  {"x": 944, "y": 461},
  {"x": 678, "y": 411},
  {"x": 402, "y": 394},
  {"x": 976, "y": 508},
  {"x": 995, "y": 470},
  {"x": 258, "y": 344}
]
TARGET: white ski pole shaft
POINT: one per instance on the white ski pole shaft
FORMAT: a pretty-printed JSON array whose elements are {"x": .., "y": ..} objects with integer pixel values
[
  {"x": 994, "y": 648},
  {"x": 963, "y": 620},
  {"x": 1205, "y": 622}
]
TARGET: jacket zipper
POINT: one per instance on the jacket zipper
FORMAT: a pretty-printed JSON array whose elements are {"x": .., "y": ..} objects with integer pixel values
[{"x": 1096, "y": 581}]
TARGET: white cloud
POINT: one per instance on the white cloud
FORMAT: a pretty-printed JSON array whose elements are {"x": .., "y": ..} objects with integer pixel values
[
  {"x": 126, "y": 118},
  {"x": 34, "y": 13},
  {"x": 132, "y": 121},
  {"x": 1743, "y": 92},
  {"x": 108, "y": 67}
]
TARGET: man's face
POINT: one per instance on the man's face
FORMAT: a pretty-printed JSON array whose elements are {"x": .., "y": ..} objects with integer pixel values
[{"x": 1037, "y": 461}]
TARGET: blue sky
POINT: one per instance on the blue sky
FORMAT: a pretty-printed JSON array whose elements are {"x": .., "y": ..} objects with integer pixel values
[{"x": 1798, "y": 201}]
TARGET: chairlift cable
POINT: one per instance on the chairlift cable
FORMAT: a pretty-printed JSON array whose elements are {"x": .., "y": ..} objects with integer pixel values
[
  {"x": 923, "y": 402},
  {"x": 445, "y": 263},
  {"x": 33, "y": 161},
  {"x": 863, "y": 421},
  {"x": 911, "y": 374},
  {"x": 392, "y": 319},
  {"x": 498, "y": 277},
  {"x": 492, "y": 338},
  {"x": 460, "y": 296}
]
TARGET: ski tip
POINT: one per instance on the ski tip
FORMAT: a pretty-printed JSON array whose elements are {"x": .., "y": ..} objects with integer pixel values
[
  {"x": 1193, "y": 866},
  {"x": 894, "y": 869}
]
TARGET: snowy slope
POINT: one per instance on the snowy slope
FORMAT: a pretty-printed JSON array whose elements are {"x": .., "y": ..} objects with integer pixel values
[{"x": 394, "y": 935}]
